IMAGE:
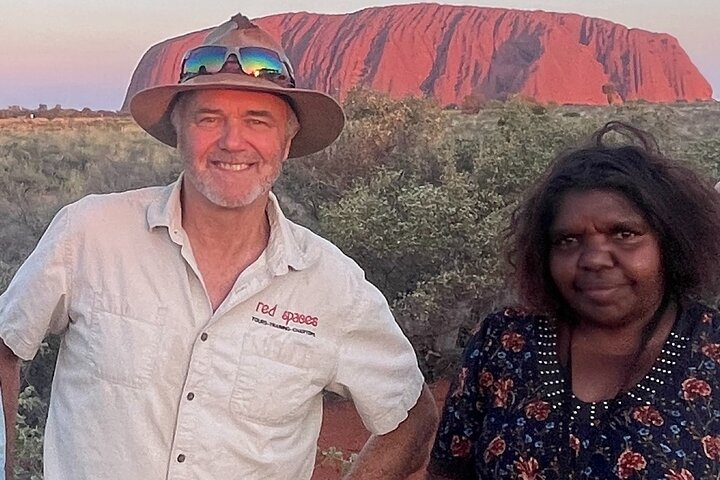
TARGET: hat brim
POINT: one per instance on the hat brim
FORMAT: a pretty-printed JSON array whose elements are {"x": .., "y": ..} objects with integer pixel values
[{"x": 321, "y": 118}]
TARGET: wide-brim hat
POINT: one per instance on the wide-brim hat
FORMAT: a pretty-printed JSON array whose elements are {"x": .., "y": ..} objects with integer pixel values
[{"x": 320, "y": 117}]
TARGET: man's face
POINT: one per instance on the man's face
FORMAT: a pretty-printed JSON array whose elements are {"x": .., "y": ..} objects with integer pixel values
[{"x": 232, "y": 143}]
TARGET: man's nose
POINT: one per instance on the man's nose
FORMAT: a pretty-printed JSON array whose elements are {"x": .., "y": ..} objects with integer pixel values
[{"x": 233, "y": 137}]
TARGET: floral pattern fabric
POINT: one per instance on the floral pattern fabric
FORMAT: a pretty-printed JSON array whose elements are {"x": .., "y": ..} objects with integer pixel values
[{"x": 509, "y": 412}]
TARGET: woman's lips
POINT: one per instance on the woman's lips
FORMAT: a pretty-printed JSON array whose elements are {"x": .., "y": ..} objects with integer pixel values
[{"x": 600, "y": 292}]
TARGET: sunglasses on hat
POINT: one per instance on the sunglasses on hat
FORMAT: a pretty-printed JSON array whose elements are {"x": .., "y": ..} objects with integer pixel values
[{"x": 256, "y": 62}]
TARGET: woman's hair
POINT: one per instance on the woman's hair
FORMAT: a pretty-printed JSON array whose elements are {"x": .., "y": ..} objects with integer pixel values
[{"x": 680, "y": 206}]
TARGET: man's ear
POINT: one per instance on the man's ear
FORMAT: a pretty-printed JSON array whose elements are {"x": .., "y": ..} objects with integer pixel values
[{"x": 288, "y": 144}]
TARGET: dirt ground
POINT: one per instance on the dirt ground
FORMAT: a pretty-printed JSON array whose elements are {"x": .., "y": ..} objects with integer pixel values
[{"x": 343, "y": 431}]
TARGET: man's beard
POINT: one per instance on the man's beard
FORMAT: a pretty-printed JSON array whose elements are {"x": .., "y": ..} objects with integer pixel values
[{"x": 203, "y": 182}]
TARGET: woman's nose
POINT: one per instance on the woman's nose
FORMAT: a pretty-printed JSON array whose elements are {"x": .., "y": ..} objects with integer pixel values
[{"x": 595, "y": 254}]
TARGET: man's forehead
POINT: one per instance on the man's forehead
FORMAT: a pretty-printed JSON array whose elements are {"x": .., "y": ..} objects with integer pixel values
[{"x": 234, "y": 100}]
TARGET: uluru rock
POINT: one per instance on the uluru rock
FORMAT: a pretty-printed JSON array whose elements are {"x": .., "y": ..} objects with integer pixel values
[{"x": 449, "y": 52}]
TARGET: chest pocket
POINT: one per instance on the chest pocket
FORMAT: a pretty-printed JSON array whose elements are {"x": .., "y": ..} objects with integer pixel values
[
  {"x": 124, "y": 343},
  {"x": 279, "y": 378}
]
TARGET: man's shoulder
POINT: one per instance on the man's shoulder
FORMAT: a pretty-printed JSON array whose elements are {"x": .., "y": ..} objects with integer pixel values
[
  {"x": 104, "y": 214},
  {"x": 322, "y": 252},
  {"x": 332, "y": 274},
  {"x": 97, "y": 206}
]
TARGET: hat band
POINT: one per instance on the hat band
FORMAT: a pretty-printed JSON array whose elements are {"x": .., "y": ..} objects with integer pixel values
[{"x": 257, "y": 62}]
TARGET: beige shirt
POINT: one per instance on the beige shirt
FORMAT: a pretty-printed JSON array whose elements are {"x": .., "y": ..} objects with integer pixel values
[{"x": 151, "y": 384}]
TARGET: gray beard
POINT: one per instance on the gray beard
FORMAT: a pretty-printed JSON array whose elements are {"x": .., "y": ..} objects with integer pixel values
[{"x": 217, "y": 198}]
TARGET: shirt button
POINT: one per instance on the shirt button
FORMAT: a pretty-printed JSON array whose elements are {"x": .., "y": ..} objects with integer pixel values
[
  {"x": 204, "y": 336},
  {"x": 190, "y": 396},
  {"x": 181, "y": 458}
]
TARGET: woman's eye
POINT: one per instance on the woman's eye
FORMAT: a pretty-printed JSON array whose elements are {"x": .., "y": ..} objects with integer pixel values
[
  {"x": 565, "y": 241},
  {"x": 625, "y": 235}
]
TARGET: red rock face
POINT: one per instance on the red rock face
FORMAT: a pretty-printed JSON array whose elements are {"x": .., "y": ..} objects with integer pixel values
[{"x": 449, "y": 52}]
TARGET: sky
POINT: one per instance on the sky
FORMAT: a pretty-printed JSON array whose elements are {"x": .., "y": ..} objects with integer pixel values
[{"x": 81, "y": 53}]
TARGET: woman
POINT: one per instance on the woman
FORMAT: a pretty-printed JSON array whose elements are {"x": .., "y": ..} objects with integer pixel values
[{"x": 618, "y": 375}]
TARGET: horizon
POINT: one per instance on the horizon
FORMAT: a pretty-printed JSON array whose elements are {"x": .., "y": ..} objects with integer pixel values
[{"x": 102, "y": 42}]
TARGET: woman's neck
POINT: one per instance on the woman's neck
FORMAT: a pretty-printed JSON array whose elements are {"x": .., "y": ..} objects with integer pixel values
[{"x": 605, "y": 361}]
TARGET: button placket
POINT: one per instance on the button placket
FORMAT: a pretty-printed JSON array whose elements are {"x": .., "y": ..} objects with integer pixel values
[
  {"x": 189, "y": 409},
  {"x": 187, "y": 416}
]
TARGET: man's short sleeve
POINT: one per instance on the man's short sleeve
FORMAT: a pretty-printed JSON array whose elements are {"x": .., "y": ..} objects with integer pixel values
[
  {"x": 35, "y": 302},
  {"x": 377, "y": 366}
]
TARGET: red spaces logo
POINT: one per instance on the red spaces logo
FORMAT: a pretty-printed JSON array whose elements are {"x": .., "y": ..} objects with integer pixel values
[{"x": 288, "y": 317}]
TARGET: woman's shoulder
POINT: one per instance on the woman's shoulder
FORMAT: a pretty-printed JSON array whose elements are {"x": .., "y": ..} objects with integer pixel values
[
  {"x": 701, "y": 309},
  {"x": 512, "y": 317},
  {"x": 701, "y": 319},
  {"x": 699, "y": 328},
  {"x": 508, "y": 321}
]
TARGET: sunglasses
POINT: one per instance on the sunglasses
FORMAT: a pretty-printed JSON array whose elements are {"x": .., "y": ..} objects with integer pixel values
[{"x": 256, "y": 62}]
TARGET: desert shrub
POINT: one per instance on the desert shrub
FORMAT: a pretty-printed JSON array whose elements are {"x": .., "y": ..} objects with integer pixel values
[
  {"x": 430, "y": 242},
  {"x": 379, "y": 133},
  {"x": 338, "y": 459},
  {"x": 472, "y": 104},
  {"x": 28, "y": 449}
]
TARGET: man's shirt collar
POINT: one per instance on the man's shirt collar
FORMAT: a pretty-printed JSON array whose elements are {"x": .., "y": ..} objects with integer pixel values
[
  {"x": 166, "y": 210},
  {"x": 285, "y": 247}
]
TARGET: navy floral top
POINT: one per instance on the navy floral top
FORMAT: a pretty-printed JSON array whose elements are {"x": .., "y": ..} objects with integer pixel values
[{"x": 509, "y": 412}]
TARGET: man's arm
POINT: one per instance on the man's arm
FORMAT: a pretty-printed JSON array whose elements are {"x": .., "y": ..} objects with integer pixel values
[
  {"x": 403, "y": 451},
  {"x": 10, "y": 385}
]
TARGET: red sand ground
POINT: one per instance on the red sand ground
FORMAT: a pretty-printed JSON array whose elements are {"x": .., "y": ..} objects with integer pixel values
[{"x": 343, "y": 430}]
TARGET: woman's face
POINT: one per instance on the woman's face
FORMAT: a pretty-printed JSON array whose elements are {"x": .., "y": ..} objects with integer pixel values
[{"x": 605, "y": 259}]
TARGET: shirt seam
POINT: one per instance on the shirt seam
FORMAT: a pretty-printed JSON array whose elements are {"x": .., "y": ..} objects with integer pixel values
[
  {"x": 67, "y": 257},
  {"x": 347, "y": 334},
  {"x": 385, "y": 422},
  {"x": 19, "y": 347}
]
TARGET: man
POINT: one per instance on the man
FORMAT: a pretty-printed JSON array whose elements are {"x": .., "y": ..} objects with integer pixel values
[{"x": 200, "y": 327}]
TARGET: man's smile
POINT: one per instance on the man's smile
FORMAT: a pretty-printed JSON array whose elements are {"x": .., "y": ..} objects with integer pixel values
[{"x": 233, "y": 167}]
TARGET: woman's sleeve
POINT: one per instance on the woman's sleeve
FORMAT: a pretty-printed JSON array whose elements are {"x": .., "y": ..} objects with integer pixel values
[{"x": 452, "y": 455}]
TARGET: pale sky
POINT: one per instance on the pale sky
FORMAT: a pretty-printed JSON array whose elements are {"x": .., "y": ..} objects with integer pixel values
[{"x": 81, "y": 53}]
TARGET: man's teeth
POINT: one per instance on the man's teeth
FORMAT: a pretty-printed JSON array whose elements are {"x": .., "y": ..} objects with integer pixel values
[{"x": 235, "y": 167}]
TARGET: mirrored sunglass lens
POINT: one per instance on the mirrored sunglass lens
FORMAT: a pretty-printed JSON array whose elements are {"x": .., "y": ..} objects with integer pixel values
[
  {"x": 260, "y": 61},
  {"x": 212, "y": 58}
]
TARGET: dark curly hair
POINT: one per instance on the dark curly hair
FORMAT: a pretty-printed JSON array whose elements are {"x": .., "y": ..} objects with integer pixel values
[{"x": 680, "y": 206}]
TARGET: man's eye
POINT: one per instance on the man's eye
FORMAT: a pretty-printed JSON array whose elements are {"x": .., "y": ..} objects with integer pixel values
[
  {"x": 208, "y": 120},
  {"x": 257, "y": 122}
]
